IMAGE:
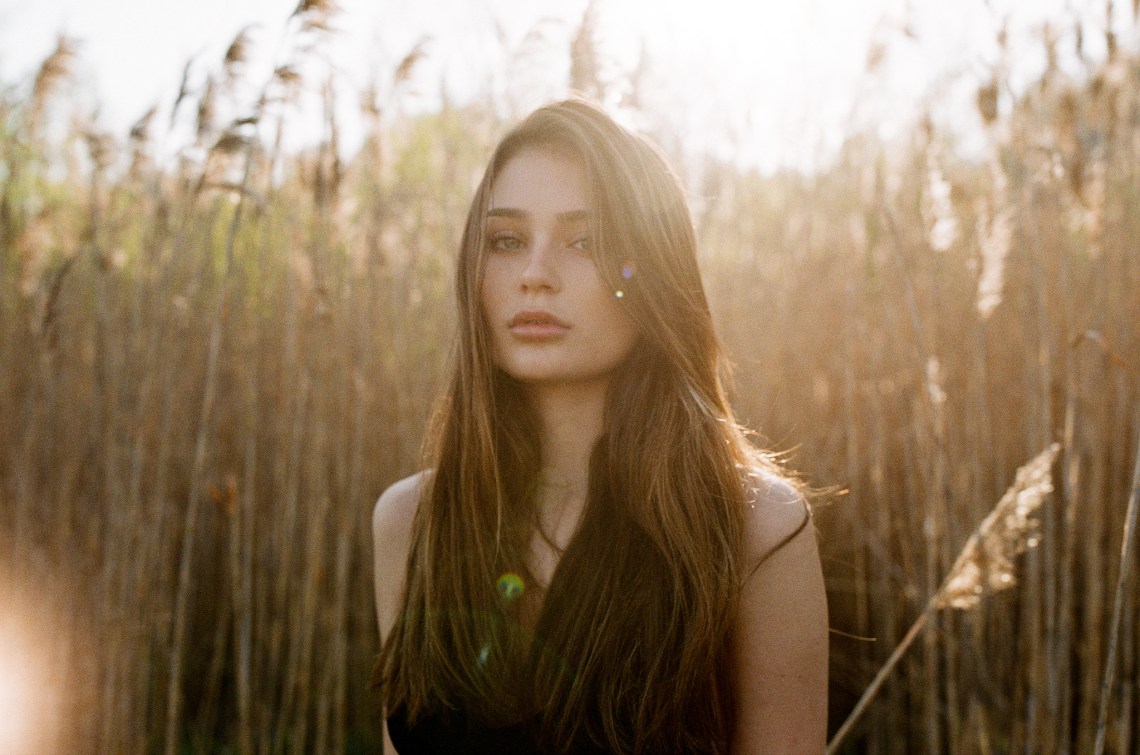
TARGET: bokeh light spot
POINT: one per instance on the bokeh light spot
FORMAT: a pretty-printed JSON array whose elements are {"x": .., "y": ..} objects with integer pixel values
[{"x": 511, "y": 586}]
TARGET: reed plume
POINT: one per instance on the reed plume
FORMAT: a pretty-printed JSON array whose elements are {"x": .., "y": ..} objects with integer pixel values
[
  {"x": 408, "y": 63},
  {"x": 183, "y": 88},
  {"x": 995, "y": 231},
  {"x": 56, "y": 67},
  {"x": 207, "y": 109},
  {"x": 585, "y": 63},
  {"x": 316, "y": 15},
  {"x": 984, "y": 565},
  {"x": 942, "y": 223},
  {"x": 236, "y": 54}
]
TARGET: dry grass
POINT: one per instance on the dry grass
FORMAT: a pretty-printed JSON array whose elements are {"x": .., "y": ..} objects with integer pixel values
[{"x": 213, "y": 366}]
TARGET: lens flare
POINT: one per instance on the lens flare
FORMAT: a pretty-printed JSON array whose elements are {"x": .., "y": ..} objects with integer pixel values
[
  {"x": 511, "y": 587},
  {"x": 31, "y": 692},
  {"x": 15, "y": 706},
  {"x": 28, "y": 701}
]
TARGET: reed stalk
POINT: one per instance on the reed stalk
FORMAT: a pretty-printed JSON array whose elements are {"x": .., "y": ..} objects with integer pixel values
[
  {"x": 1124, "y": 575},
  {"x": 190, "y": 517}
]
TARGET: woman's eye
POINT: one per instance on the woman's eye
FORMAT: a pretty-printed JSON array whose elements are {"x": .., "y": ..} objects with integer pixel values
[
  {"x": 505, "y": 242},
  {"x": 583, "y": 244}
]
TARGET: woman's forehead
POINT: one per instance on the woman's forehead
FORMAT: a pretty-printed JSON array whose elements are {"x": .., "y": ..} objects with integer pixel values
[{"x": 539, "y": 180}]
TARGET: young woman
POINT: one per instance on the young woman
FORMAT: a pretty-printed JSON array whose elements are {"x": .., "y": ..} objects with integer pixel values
[{"x": 596, "y": 560}]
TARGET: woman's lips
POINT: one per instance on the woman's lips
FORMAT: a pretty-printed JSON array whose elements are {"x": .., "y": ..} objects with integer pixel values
[{"x": 536, "y": 325}]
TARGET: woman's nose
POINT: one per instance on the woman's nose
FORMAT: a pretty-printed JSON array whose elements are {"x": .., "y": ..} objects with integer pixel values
[{"x": 540, "y": 270}]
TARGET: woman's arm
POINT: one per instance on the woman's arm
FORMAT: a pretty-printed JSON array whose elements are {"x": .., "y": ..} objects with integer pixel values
[
  {"x": 780, "y": 650},
  {"x": 391, "y": 539}
]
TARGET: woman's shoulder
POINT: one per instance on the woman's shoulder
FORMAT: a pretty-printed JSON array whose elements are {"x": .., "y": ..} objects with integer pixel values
[
  {"x": 780, "y": 634},
  {"x": 397, "y": 506},
  {"x": 777, "y": 512},
  {"x": 392, "y": 520}
]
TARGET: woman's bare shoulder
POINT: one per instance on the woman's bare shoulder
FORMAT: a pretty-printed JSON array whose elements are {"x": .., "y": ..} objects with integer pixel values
[
  {"x": 780, "y": 634},
  {"x": 394, "y": 511},
  {"x": 777, "y": 512},
  {"x": 392, "y": 520}
]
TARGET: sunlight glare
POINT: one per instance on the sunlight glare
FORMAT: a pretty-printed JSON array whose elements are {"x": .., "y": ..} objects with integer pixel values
[
  {"x": 29, "y": 701},
  {"x": 15, "y": 703}
]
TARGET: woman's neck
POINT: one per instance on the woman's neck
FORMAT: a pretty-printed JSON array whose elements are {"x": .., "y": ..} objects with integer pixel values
[{"x": 571, "y": 419}]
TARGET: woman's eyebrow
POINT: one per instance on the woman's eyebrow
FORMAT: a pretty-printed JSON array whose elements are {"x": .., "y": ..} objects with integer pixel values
[
  {"x": 575, "y": 216},
  {"x": 507, "y": 212}
]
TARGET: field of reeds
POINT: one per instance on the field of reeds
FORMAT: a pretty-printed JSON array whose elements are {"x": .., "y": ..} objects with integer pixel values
[{"x": 213, "y": 364}]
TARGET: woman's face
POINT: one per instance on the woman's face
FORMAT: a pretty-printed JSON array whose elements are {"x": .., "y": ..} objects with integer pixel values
[{"x": 552, "y": 318}]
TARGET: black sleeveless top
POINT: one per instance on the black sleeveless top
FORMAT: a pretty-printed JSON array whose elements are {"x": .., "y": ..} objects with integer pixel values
[{"x": 454, "y": 733}]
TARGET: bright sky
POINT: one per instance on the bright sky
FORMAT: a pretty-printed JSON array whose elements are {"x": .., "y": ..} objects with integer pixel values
[{"x": 767, "y": 82}]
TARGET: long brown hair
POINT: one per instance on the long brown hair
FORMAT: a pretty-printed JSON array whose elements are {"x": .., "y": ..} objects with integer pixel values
[{"x": 631, "y": 647}]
